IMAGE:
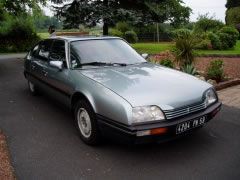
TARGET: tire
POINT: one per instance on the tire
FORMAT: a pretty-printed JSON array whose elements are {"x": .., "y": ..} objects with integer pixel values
[
  {"x": 86, "y": 123},
  {"x": 33, "y": 89}
]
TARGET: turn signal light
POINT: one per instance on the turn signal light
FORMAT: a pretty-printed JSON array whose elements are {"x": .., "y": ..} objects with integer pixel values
[{"x": 158, "y": 131}]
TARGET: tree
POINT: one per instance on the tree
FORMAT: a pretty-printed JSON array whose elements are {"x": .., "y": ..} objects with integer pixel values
[
  {"x": 108, "y": 12},
  {"x": 206, "y": 23},
  {"x": 41, "y": 21},
  {"x": 20, "y": 6},
  {"x": 232, "y": 14},
  {"x": 232, "y": 4}
]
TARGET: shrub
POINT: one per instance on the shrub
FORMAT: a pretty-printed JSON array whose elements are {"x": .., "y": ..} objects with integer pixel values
[
  {"x": 123, "y": 27},
  {"x": 115, "y": 32},
  {"x": 223, "y": 37},
  {"x": 152, "y": 60},
  {"x": 215, "y": 70},
  {"x": 204, "y": 44},
  {"x": 182, "y": 33},
  {"x": 229, "y": 36},
  {"x": 189, "y": 69},
  {"x": 18, "y": 35},
  {"x": 167, "y": 63},
  {"x": 131, "y": 36},
  {"x": 215, "y": 41},
  {"x": 185, "y": 44}
]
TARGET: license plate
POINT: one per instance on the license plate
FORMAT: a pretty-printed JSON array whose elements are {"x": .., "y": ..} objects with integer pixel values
[{"x": 185, "y": 126}]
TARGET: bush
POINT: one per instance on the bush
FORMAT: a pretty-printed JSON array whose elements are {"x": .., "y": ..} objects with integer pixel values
[
  {"x": 215, "y": 70},
  {"x": 189, "y": 69},
  {"x": 17, "y": 35},
  {"x": 115, "y": 32},
  {"x": 204, "y": 44},
  {"x": 185, "y": 44},
  {"x": 225, "y": 38},
  {"x": 182, "y": 33},
  {"x": 215, "y": 41},
  {"x": 130, "y": 36},
  {"x": 123, "y": 27},
  {"x": 228, "y": 36},
  {"x": 167, "y": 63}
]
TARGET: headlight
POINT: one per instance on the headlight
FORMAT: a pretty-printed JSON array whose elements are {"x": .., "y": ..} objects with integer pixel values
[
  {"x": 147, "y": 114},
  {"x": 210, "y": 97}
]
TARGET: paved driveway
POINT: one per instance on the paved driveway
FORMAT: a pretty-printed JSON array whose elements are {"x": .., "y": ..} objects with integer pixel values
[
  {"x": 231, "y": 96},
  {"x": 44, "y": 143}
]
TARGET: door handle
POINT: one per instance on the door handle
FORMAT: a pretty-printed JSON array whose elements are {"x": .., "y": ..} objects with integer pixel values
[{"x": 45, "y": 73}]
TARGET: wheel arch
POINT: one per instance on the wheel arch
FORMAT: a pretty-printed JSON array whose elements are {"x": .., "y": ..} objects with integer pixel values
[{"x": 78, "y": 96}]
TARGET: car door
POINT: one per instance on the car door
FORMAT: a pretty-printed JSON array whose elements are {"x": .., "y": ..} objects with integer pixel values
[
  {"x": 30, "y": 64},
  {"x": 39, "y": 60},
  {"x": 58, "y": 79}
]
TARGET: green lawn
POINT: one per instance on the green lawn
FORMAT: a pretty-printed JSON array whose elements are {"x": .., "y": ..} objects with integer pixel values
[
  {"x": 154, "y": 48},
  {"x": 43, "y": 35}
]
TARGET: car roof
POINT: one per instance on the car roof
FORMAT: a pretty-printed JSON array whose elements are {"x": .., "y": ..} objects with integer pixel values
[{"x": 81, "y": 38}]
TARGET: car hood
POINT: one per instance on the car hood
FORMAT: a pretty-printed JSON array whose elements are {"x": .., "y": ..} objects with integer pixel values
[{"x": 149, "y": 84}]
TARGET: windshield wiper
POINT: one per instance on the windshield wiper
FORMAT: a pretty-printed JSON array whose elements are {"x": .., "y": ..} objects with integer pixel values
[{"x": 96, "y": 63}]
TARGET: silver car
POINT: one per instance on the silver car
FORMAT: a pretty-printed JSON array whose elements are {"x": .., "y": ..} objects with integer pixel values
[{"x": 115, "y": 92}]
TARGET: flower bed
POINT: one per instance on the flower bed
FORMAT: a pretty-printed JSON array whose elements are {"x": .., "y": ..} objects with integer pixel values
[
  {"x": 231, "y": 68},
  {"x": 6, "y": 170}
]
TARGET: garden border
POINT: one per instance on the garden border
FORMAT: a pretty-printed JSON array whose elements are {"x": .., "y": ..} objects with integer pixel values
[
  {"x": 219, "y": 55},
  {"x": 224, "y": 85}
]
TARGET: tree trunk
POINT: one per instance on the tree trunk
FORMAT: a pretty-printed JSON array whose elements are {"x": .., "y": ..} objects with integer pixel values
[
  {"x": 105, "y": 24},
  {"x": 105, "y": 29}
]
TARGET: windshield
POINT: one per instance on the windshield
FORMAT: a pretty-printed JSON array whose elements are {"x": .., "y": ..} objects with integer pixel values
[{"x": 98, "y": 52}]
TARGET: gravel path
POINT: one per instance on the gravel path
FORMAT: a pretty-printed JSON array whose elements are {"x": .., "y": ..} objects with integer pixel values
[{"x": 231, "y": 65}]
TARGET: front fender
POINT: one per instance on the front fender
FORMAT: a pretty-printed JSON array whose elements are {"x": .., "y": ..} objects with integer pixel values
[{"x": 104, "y": 101}]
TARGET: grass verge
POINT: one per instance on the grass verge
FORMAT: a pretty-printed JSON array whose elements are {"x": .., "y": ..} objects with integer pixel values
[{"x": 155, "y": 48}]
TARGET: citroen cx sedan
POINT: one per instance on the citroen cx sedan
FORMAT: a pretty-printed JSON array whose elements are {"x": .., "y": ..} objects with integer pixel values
[{"x": 113, "y": 91}]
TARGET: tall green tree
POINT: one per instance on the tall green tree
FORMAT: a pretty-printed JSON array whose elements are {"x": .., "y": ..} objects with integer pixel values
[
  {"x": 108, "y": 12},
  {"x": 207, "y": 23},
  {"x": 232, "y": 4},
  {"x": 233, "y": 13},
  {"x": 17, "y": 7}
]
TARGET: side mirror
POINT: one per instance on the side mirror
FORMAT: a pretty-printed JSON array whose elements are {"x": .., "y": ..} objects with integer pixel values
[
  {"x": 56, "y": 64},
  {"x": 145, "y": 55}
]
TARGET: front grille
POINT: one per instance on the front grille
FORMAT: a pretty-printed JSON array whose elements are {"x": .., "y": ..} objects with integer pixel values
[{"x": 171, "y": 114}]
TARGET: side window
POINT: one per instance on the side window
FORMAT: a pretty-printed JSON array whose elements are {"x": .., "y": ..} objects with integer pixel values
[
  {"x": 58, "y": 52},
  {"x": 44, "y": 49},
  {"x": 74, "y": 59},
  {"x": 35, "y": 51}
]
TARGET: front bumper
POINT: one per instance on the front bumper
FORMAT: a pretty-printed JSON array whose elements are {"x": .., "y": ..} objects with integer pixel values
[{"x": 128, "y": 134}]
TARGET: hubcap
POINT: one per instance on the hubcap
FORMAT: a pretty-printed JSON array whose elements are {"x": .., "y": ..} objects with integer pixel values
[
  {"x": 84, "y": 122},
  {"x": 31, "y": 86}
]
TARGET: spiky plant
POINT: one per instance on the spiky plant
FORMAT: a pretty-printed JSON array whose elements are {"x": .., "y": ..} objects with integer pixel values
[{"x": 185, "y": 44}]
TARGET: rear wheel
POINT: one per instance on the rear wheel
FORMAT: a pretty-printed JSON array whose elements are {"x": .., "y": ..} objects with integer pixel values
[
  {"x": 86, "y": 123},
  {"x": 32, "y": 88}
]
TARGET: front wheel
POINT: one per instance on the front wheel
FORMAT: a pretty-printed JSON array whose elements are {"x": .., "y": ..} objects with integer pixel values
[
  {"x": 32, "y": 88},
  {"x": 86, "y": 123}
]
